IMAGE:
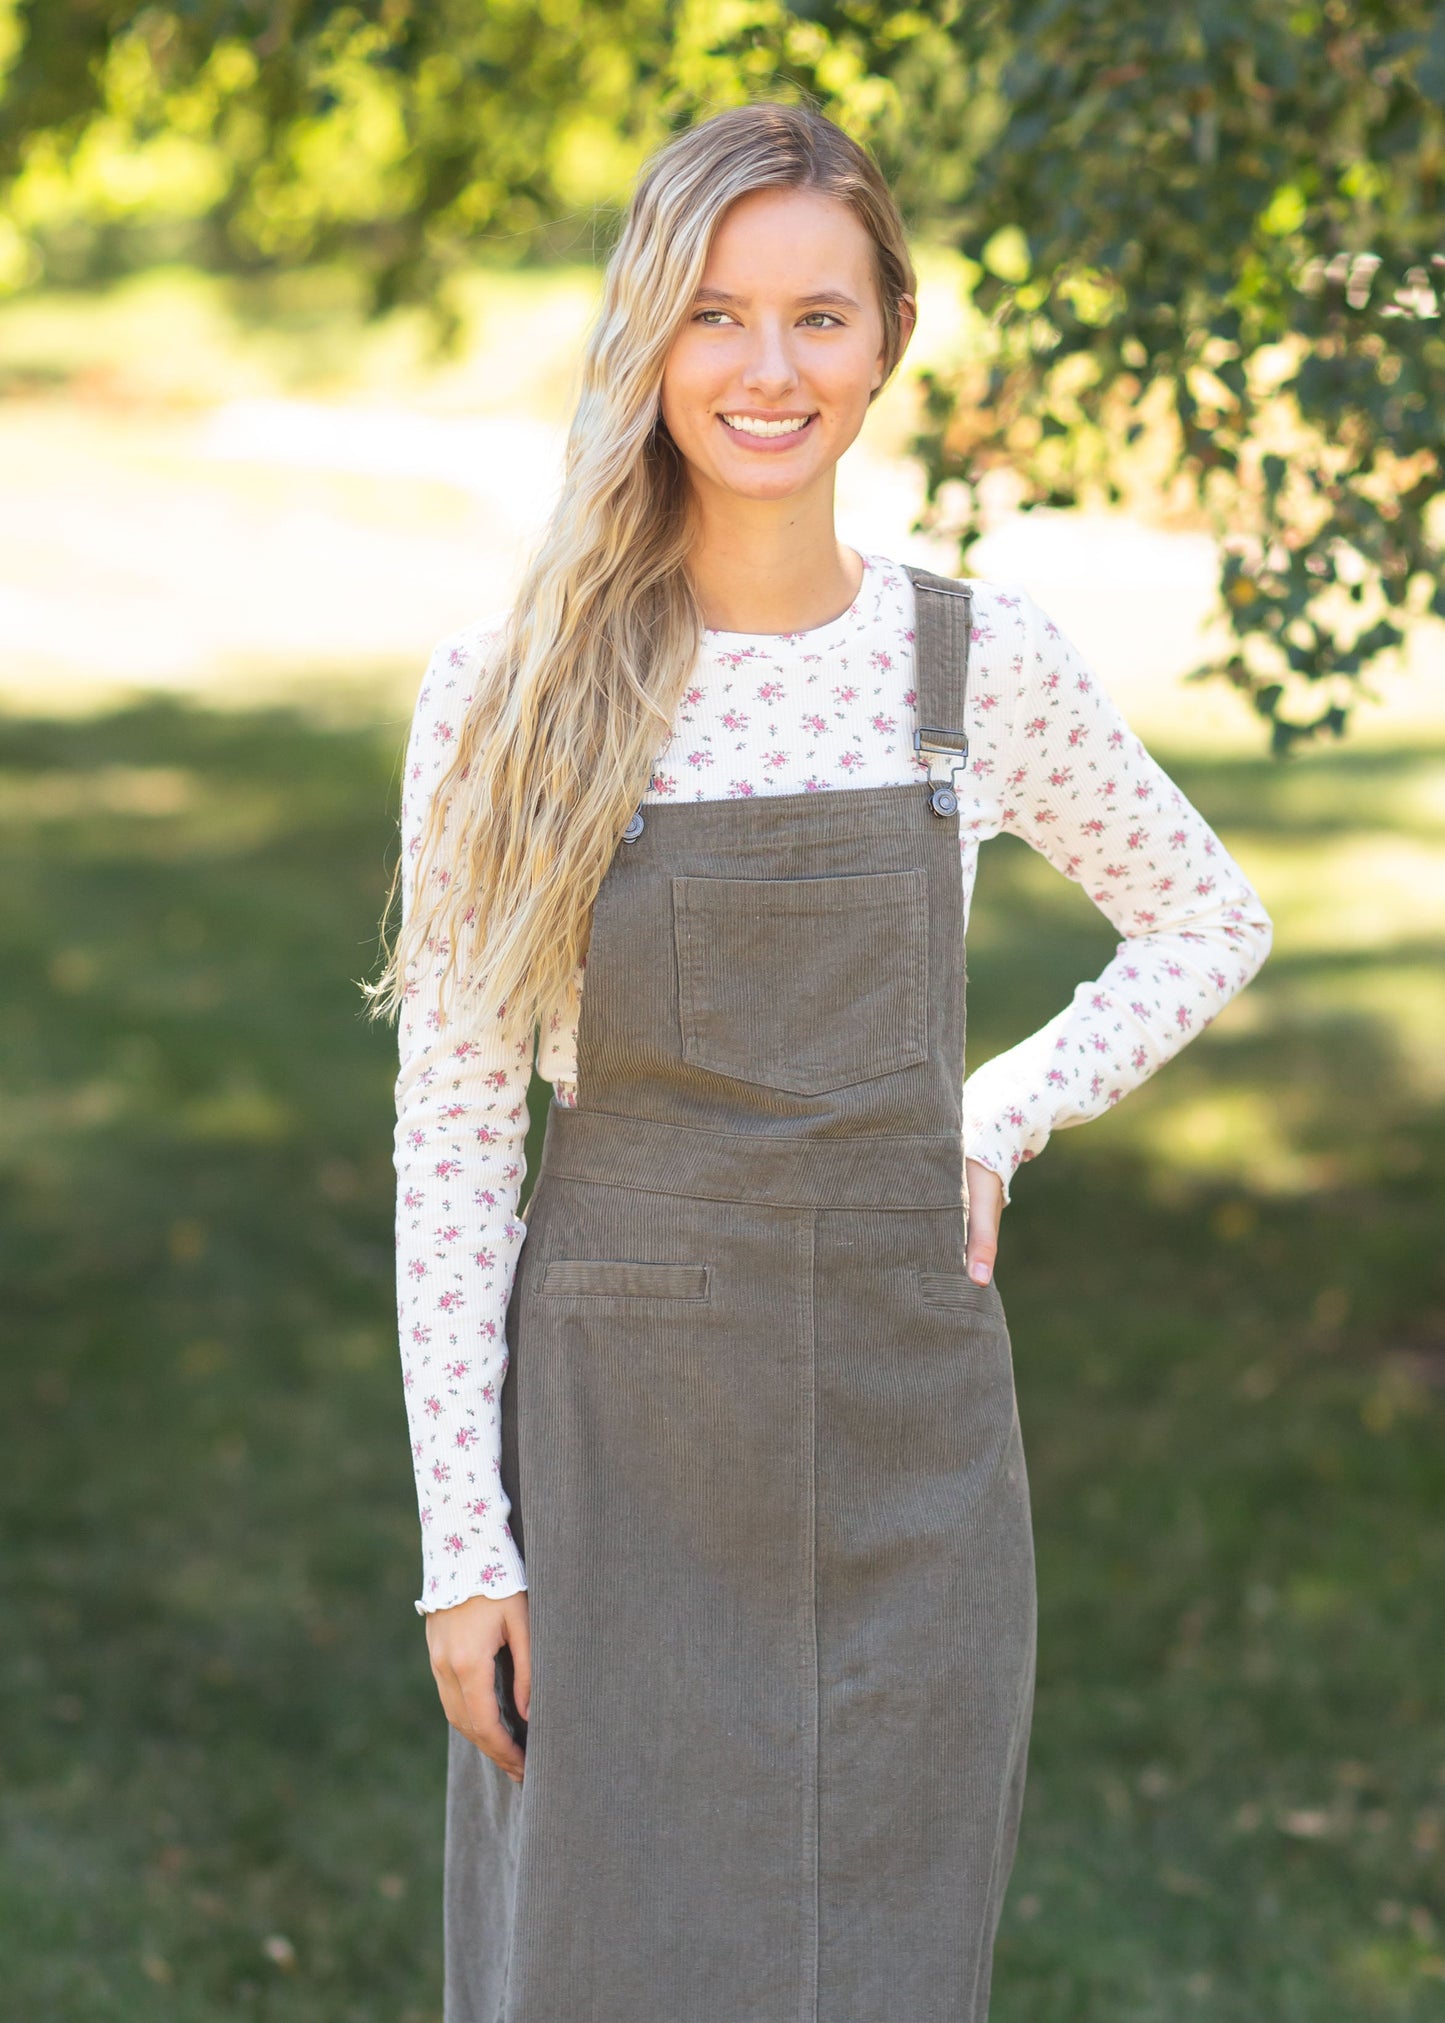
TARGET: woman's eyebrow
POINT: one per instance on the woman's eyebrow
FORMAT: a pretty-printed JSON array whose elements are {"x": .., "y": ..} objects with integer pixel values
[{"x": 831, "y": 297}]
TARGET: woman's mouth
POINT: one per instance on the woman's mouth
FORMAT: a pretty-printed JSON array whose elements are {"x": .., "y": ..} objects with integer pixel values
[{"x": 762, "y": 432}]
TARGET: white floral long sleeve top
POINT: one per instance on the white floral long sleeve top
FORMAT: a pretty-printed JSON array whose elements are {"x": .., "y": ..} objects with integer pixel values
[{"x": 1051, "y": 759}]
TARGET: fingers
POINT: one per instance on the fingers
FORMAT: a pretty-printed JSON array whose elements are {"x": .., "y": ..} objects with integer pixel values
[
  {"x": 519, "y": 1636},
  {"x": 985, "y": 1208},
  {"x": 469, "y": 1701},
  {"x": 463, "y": 1643},
  {"x": 489, "y": 1732}
]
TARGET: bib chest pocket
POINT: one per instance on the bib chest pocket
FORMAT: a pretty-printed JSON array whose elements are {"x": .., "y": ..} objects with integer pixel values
[{"x": 804, "y": 985}]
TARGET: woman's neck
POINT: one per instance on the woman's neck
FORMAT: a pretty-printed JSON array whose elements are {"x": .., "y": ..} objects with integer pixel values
[{"x": 764, "y": 573}]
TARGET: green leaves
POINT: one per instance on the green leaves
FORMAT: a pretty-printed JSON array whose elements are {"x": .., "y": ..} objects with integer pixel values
[
  {"x": 1262, "y": 194},
  {"x": 1209, "y": 246},
  {"x": 401, "y": 138}
]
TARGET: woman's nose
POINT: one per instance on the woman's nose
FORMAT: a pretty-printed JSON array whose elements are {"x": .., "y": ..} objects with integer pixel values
[{"x": 770, "y": 366}]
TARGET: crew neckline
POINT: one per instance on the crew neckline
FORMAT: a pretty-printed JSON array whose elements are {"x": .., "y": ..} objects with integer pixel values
[{"x": 814, "y": 635}]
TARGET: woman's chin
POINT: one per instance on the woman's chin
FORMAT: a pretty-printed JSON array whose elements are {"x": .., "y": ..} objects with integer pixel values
[{"x": 759, "y": 481}]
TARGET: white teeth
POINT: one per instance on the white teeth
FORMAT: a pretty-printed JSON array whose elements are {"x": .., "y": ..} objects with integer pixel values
[{"x": 752, "y": 427}]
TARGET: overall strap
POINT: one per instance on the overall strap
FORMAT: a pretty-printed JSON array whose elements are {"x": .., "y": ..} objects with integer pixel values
[{"x": 944, "y": 630}]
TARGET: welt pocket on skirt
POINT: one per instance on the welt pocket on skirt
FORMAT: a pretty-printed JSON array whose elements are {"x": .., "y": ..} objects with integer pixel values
[
  {"x": 622, "y": 1278},
  {"x": 953, "y": 1289}
]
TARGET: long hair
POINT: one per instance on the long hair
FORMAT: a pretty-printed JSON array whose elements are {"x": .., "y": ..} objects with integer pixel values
[{"x": 556, "y": 746}]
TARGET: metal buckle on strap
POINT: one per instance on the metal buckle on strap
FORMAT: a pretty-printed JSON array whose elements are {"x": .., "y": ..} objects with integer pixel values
[
  {"x": 933, "y": 738},
  {"x": 947, "y": 748},
  {"x": 951, "y": 747}
]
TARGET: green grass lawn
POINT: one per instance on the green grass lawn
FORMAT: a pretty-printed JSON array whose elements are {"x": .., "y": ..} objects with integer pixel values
[{"x": 224, "y": 1767}]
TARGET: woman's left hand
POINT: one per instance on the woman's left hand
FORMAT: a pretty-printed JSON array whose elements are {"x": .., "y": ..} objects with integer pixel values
[{"x": 985, "y": 1209}]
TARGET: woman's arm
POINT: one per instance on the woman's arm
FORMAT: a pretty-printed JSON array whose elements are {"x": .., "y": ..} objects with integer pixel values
[
  {"x": 1082, "y": 790},
  {"x": 461, "y": 1124}
]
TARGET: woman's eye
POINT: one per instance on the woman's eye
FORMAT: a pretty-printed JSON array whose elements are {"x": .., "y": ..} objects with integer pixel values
[{"x": 817, "y": 317}]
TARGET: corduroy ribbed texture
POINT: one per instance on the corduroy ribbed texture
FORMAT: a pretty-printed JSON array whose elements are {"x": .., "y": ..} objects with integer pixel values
[
  {"x": 826, "y": 712},
  {"x": 762, "y": 1446}
]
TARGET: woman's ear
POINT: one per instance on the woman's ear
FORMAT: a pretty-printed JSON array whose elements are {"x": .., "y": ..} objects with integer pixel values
[{"x": 907, "y": 321}]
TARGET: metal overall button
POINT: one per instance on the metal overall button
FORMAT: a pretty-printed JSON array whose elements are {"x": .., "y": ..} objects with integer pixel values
[{"x": 634, "y": 828}]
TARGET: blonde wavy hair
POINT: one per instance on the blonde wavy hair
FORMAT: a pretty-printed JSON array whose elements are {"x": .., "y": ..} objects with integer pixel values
[{"x": 556, "y": 747}]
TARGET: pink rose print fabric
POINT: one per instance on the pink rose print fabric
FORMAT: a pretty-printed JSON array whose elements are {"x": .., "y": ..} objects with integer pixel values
[{"x": 1051, "y": 759}]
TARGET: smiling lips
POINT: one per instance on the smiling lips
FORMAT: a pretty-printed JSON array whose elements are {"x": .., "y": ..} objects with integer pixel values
[{"x": 763, "y": 429}]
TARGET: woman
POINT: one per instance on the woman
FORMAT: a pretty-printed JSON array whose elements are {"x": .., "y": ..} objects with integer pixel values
[{"x": 729, "y": 1577}]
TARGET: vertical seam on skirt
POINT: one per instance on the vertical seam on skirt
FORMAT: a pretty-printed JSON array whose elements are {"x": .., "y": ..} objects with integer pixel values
[
  {"x": 1010, "y": 1798},
  {"x": 808, "y": 1227},
  {"x": 514, "y": 1880}
]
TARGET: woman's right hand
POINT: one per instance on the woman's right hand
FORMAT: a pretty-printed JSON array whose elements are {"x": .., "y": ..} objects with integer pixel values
[{"x": 464, "y": 1642}]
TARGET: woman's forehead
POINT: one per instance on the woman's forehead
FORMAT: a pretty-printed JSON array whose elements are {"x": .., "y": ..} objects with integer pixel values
[{"x": 797, "y": 242}]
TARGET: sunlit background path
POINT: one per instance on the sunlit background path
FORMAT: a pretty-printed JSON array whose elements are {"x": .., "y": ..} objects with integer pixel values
[{"x": 196, "y": 502}]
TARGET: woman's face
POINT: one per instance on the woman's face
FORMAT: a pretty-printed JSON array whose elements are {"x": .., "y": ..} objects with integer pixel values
[{"x": 769, "y": 378}]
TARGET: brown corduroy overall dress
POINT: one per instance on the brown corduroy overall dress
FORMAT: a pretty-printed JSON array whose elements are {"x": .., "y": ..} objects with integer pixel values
[{"x": 762, "y": 1445}]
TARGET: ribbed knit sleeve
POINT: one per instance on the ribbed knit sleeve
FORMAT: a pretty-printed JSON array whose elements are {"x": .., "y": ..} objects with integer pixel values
[
  {"x": 1078, "y": 785},
  {"x": 827, "y": 710},
  {"x": 461, "y": 1124}
]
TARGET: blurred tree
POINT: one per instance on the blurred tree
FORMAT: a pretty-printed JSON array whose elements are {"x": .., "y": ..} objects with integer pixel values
[
  {"x": 1225, "y": 223},
  {"x": 1216, "y": 231},
  {"x": 402, "y": 137}
]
